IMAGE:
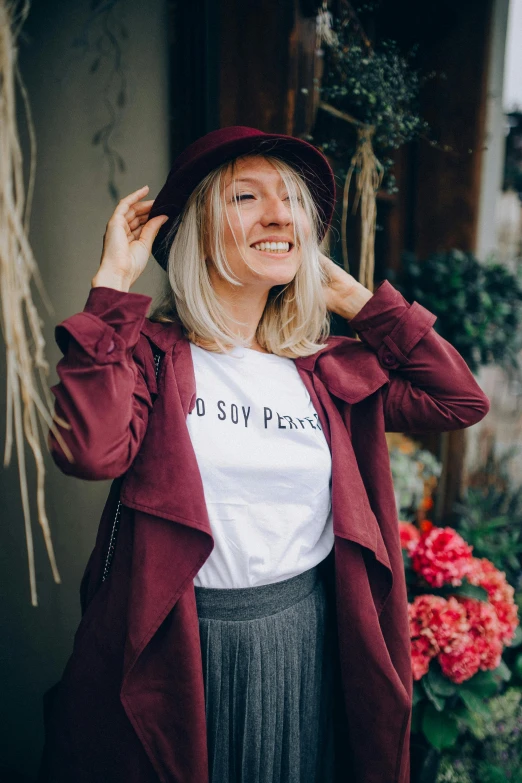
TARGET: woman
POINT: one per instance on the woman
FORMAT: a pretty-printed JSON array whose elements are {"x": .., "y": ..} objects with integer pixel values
[{"x": 244, "y": 607}]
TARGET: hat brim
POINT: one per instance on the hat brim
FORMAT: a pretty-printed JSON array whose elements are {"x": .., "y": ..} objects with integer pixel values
[{"x": 307, "y": 159}]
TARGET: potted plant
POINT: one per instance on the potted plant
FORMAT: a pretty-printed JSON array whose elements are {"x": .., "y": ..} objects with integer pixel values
[
  {"x": 478, "y": 304},
  {"x": 462, "y": 615}
]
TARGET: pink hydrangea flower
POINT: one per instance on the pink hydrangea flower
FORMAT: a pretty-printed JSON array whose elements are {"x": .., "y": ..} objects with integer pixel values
[
  {"x": 461, "y": 664},
  {"x": 500, "y": 594},
  {"x": 442, "y": 621},
  {"x": 421, "y": 656},
  {"x": 464, "y": 634},
  {"x": 409, "y": 535},
  {"x": 485, "y": 632},
  {"x": 442, "y": 557}
]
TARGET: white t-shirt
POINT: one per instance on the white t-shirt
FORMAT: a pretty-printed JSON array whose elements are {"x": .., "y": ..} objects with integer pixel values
[{"x": 265, "y": 466}]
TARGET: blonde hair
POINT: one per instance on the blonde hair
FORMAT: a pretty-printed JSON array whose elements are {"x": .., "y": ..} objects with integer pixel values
[{"x": 295, "y": 319}]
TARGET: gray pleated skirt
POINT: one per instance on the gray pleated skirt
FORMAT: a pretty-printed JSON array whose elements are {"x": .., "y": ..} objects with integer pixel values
[{"x": 267, "y": 665}]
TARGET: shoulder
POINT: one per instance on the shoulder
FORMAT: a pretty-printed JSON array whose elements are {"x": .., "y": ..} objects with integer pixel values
[
  {"x": 163, "y": 334},
  {"x": 337, "y": 348},
  {"x": 154, "y": 336},
  {"x": 348, "y": 368}
]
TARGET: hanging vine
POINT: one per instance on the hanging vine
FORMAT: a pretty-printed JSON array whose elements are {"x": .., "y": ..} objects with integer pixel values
[{"x": 100, "y": 39}]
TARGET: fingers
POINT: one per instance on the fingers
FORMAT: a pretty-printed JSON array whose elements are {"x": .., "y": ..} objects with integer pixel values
[
  {"x": 131, "y": 206},
  {"x": 139, "y": 220},
  {"x": 132, "y": 198},
  {"x": 140, "y": 208},
  {"x": 133, "y": 215},
  {"x": 147, "y": 233}
]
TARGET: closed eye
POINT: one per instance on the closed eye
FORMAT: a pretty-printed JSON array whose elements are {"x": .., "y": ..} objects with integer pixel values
[{"x": 249, "y": 195}]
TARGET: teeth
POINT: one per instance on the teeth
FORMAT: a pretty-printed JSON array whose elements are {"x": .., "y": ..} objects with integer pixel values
[{"x": 273, "y": 247}]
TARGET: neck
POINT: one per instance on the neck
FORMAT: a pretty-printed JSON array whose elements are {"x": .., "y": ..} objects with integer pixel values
[{"x": 246, "y": 305}]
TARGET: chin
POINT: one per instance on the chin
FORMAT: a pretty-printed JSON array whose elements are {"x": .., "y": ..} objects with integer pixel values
[
  {"x": 281, "y": 276},
  {"x": 278, "y": 280}
]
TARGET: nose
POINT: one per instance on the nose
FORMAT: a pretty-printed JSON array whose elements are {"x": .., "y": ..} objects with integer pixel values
[{"x": 276, "y": 212}]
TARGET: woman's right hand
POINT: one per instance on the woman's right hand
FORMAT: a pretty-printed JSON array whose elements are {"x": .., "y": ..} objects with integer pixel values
[{"x": 127, "y": 242}]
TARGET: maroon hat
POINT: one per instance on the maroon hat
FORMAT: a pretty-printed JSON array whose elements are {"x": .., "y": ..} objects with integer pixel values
[{"x": 210, "y": 151}]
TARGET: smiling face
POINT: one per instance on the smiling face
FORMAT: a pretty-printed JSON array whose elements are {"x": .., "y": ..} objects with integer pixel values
[{"x": 259, "y": 227}]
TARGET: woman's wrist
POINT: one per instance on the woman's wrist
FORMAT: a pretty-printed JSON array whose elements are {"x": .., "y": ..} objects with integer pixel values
[
  {"x": 107, "y": 279},
  {"x": 349, "y": 304}
]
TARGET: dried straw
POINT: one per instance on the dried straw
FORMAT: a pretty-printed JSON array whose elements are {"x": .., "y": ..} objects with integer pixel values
[
  {"x": 368, "y": 179},
  {"x": 29, "y": 404}
]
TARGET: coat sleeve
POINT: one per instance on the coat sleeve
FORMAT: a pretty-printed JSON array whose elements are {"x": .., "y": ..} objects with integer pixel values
[
  {"x": 431, "y": 387},
  {"x": 106, "y": 385}
]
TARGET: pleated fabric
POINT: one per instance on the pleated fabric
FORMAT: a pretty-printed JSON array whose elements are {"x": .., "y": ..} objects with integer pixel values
[{"x": 267, "y": 666}]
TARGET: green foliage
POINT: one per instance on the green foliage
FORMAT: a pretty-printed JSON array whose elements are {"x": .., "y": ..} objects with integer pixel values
[
  {"x": 489, "y": 516},
  {"x": 440, "y": 728},
  {"x": 478, "y": 305},
  {"x": 445, "y": 712},
  {"x": 377, "y": 87},
  {"x": 466, "y": 590},
  {"x": 494, "y": 752}
]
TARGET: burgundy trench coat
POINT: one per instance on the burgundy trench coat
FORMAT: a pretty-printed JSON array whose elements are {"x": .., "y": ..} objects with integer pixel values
[{"x": 130, "y": 705}]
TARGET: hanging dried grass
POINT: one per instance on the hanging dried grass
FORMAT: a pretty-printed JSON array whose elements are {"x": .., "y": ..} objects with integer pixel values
[
  {"x": 368, "y": 179},
  {"x": 29, "y": 404}
]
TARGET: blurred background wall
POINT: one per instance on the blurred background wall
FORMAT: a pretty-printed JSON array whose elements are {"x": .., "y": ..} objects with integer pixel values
[{"x": 71, "y": 208}]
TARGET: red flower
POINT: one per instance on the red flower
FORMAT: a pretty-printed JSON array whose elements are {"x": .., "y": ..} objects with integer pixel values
[
  {"x": 464, "y": 634},
  {"x": 461, "y": 664},
  {"x": 442, "y": 621},
  {"x": 442, "y": 556},
  {"x": 500, "y": 595},
  {"x": 420, "y": 657},
  {"x": 426, "y": 525},
  {"x": 409, "y": 536},
  {"x": 485, "y": 632}
]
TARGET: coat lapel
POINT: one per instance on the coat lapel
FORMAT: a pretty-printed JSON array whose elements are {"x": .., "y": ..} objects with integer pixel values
[
  {"x": 348, "y": 369},
  {"x": 353, "y": 518},
  {"x": 164, "y": 479}
]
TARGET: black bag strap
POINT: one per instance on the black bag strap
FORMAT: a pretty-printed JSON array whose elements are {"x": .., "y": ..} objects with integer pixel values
[{"x": 157, "y": 354}]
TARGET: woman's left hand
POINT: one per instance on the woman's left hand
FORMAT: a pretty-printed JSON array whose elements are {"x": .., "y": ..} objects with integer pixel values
[
  {"x": 340, "y": 284},
  {"x": 343, "y": 294}
]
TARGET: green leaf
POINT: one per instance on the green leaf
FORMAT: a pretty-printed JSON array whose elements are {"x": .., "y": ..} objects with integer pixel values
[
  {"x": 438, "y": 701},
  {"x": 517, "y": 638},
  {"x": 503, "y": 671},
  {"x": 440, "y": 684},
  {"x": 466, "y": 590},
  {"x": 440, "y": 729},
  {"x": 418, "y": 693},
  {"x": 518, "y": 665},
  {"x": 482, "y": 684},
  {"x": 468, "y": 718},
  {"x": 473, "y": 702},
  {"x": 495, "y": 774}
]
